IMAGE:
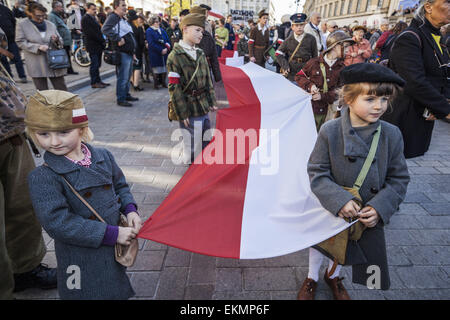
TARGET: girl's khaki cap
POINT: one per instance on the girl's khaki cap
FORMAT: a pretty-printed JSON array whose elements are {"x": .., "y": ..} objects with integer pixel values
[
  {"x": 55, "y": 110},
  {"x": 193, "y": 19}
]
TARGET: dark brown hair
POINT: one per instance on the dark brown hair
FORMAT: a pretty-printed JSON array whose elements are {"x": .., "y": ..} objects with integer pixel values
[
  {"x": 350, "y": 92},
  {"x": 399, "y": 27},
  {"x": 90, "y": 4}
]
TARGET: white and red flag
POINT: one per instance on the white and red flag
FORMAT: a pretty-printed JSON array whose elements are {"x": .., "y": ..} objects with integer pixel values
[{"x": 253, "y": 202}]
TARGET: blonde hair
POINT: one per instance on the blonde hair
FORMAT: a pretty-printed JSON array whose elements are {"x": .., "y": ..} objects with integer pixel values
[{"x": 86, "y": 135}]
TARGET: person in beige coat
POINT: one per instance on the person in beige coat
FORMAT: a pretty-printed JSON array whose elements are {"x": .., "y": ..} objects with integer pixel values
[{"x": 33, "y": 36}]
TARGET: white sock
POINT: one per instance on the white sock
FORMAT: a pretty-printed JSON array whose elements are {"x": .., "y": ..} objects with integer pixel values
[
  {"x": 336, "y": 272},
  {"x": 315, "y": 261}
]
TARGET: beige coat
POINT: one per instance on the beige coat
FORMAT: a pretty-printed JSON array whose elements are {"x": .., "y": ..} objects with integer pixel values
[{"x": 29, "y": 39}]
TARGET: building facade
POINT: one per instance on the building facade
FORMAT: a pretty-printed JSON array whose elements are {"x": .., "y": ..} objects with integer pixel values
[
  {"x": 224, "y": 7},
  {"x": 349, "y": 12}
]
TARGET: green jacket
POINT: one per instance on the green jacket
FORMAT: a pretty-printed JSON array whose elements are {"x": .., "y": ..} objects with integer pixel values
[
  {"x": 181, "y": 67},
  {"x": 62, "y": 28},
  {"x": 222, "y": 36}
]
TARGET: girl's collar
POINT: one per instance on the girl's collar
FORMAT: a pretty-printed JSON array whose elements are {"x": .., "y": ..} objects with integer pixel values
[
  {"x": 86, "y": 161},
  {"x": 62, "y": 165}
]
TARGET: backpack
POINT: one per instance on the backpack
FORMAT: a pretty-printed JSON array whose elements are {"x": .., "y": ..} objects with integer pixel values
[{"x": 385, "y": 62}]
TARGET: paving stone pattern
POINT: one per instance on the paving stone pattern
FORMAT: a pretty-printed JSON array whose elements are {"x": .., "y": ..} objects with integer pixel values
[{"x": 418, "y": 236}]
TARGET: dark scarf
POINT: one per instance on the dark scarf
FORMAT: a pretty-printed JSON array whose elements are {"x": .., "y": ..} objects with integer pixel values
[{"x": 42, "y": 27}]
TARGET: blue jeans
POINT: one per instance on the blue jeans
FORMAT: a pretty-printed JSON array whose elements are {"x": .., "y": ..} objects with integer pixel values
[
  {"x": 123, "y": 76},
  {"x": 192, "y": 148},
  {"x": 17, "y": 60},
  {"x": 96, "y": 62}
]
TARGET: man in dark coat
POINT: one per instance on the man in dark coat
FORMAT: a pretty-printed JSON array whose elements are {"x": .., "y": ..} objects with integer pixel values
[
  {"x": 297, "y": 49},
  {"x": 94, "y": 42},
  {"x": 208, "y": 45},
  {"x": 231, "y": 36},
  {"x": 8, "y": 25},
  {"x": 419, "y": 59}
]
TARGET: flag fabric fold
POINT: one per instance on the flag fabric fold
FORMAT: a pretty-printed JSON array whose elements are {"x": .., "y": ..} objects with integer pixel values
[{"x": 250, "y": 198}]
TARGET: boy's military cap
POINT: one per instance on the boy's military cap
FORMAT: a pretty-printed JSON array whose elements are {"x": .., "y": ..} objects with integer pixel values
[
  {"x": 298, "y": 18},
  {"x": 193, "y": 19},
  {"x": 206, "y": 7},
  {"x": 199, "y": 10},
  {"x": 369, "y": 72}
]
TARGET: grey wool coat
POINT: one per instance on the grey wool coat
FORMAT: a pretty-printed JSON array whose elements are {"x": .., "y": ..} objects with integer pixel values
[
  {"x": 78, "y": 235},
  {"x": 336, "y": 161},
  {"x": 29, "y": 39}
]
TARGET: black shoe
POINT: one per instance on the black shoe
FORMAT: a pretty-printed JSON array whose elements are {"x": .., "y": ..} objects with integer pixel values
[
  {"x": 130, "y": 98},
  {"x": 41, "y": 277},
  {"x": 72, "y": 72},
  {"x": 137, "y": 88},
  {"x": 124, "y": 104}
]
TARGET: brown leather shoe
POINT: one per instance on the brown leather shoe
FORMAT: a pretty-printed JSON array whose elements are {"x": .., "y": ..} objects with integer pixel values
[
  {"x": 308, "y": 290},
  {"x": 98, "y": 85},
  {"x": 336, "y": 286}
]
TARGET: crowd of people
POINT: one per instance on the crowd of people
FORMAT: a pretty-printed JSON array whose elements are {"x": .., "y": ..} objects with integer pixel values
[{"x": 355, "y": 76}]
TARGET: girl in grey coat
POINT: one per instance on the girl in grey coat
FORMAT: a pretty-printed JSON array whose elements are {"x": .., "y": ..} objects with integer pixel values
[
  {"x": 336, "y": 161},
  {"x": 87, "y": 269}
]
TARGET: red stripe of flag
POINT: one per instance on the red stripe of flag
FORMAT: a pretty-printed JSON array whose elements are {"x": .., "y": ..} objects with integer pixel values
[{"x": 203, "y": 213}]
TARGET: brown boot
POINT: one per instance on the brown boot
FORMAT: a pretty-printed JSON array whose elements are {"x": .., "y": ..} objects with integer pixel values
[
  {"x": 308, "y": 290},
  {"x": 336, "y": 286}
]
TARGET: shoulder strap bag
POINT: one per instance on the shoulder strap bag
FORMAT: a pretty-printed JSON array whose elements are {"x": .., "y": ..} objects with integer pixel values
[
  {"x": 125, "y": 255},
  {"x": 336, "y": 246},
  {"x": 331, "y": 109},
  {"x": 110, "y": 54}
]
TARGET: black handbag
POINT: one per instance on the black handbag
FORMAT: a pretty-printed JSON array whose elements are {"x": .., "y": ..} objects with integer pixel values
[
  {"x": 56, "y": 56},
  {"x": 111, "y": 55}
]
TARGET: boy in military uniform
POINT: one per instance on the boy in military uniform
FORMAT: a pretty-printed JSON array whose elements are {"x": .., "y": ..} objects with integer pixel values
[
  {"x": 259, "y": 40},
  {"x": 297, "y": 49},
  {"x": 190, "y": 86}
]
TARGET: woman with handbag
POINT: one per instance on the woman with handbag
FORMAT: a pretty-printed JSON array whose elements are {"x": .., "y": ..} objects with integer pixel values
[
  {"x": 80, "y": 196},
  {"x": 35, "y": 36},
  {"x": 358, "y": 172}
]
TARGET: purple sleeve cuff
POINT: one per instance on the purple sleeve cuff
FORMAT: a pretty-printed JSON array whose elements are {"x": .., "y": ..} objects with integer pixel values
[
  {"x": 130, "y": 208},
  {"x": 111, "y": 234}
]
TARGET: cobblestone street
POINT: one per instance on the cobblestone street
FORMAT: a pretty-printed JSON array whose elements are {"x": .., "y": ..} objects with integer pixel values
[{"x": 418, "y": 237}]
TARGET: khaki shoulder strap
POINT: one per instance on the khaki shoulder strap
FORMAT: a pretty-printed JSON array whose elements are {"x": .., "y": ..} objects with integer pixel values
[
  {"x": 193, "y": 75},
  {"x": 296, "y": 49},
  {"x": 365, "y": 169},
  {"x": 324, "y": 73}
]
